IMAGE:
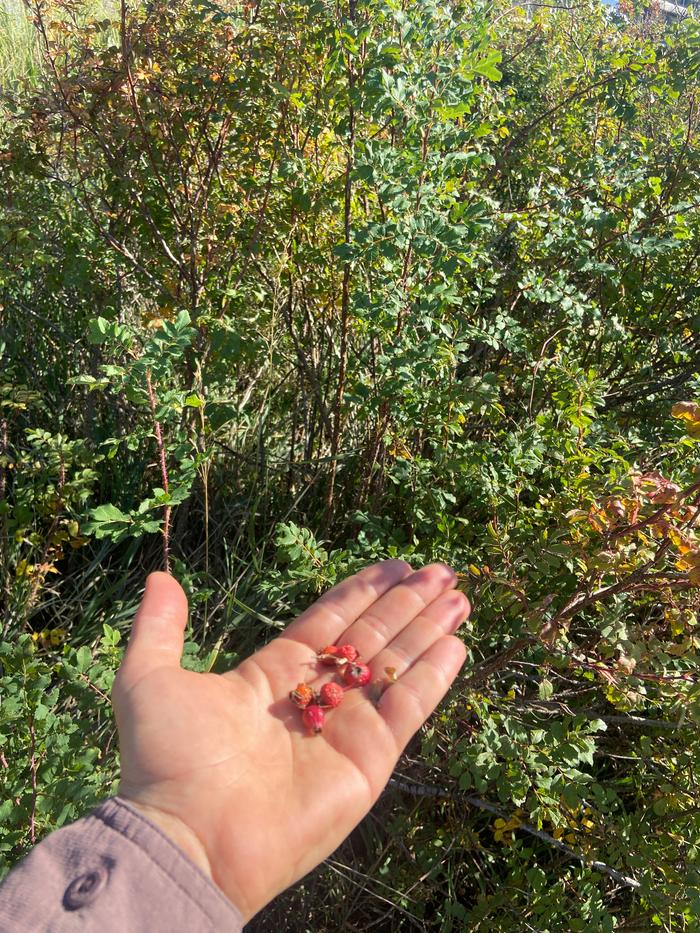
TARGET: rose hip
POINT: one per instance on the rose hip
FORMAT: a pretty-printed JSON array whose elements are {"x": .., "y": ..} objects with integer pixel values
[
  {"x": 313, "y": 718},
  {"x": 301, "y": 696},
  {"x": 332, "y": 695},
  {"x": 356, "y": 674},
  {"x": 328, "y": 655},
  {"x": 349, "y": 652}
]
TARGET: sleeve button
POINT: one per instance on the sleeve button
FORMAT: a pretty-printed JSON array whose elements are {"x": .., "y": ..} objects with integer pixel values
[{"x": 84, "y": 889}]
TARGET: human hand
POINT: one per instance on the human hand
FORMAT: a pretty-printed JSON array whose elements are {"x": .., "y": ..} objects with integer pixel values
[{"x": 222, "y": 762}]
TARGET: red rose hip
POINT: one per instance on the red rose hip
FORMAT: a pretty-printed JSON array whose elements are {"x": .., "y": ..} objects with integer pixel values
[
  {"x": 313, "y": 718},
  {"x": 349, "y": 652},
  {"x": 332, "y": 695},
  {"x": 356, "y": 674}
]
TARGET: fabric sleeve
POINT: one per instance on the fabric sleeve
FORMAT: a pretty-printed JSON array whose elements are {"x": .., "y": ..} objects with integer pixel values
[{"x": 112, "y": 871}]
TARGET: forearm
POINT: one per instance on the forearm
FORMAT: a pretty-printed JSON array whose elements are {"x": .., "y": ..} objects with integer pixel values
[{"x": 116, "y": 870}]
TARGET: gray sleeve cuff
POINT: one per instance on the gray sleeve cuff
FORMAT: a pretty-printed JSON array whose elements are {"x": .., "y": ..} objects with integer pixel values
[{"x": 113, "y": 871}]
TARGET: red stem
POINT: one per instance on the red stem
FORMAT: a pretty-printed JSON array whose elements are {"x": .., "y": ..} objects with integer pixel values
[{"x": 163, "y": 472}]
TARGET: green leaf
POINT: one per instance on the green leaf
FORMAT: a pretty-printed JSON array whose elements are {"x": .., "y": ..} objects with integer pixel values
[
  {"x": 83, "y": 657},
  {"x": 487, "y": 66},
  {"x": 453, "y": 111},
  {"x": 112, "y": 636},
  {"x": 109, "y": 513},
  {"x": 545, "y": 689},
  {"x": 182, "y": 320},
  {"x": 97, "y": 330}
]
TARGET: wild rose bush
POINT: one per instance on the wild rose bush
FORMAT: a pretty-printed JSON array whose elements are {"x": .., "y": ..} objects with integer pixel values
[{"x": 289, "y": 288}]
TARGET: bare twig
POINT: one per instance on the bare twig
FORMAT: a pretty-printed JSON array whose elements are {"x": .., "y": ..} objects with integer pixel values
[
  {"x": 481, "y": 804},
  {"x": 613, "y": 873}
]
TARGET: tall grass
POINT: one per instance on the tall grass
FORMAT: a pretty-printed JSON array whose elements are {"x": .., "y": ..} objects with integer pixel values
[{"x": 19, "y": 51}]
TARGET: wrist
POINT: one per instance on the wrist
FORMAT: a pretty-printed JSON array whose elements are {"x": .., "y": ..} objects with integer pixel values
[{"x": 178, "y": 832}]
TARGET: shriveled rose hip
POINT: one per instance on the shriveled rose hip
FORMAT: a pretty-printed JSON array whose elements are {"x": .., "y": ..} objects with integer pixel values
[
  {"x": 349, "y": 652},
  {"x": 301, "y": 696},
  {"x": 313, "y": 718},
  {"x": 356, "y": 674},
  {"x": 332, "y": 695},
  {"x": 328, "y": 655}
]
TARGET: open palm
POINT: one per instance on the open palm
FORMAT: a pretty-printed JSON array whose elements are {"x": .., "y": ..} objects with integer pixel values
[{"x": 227, "y": 756}]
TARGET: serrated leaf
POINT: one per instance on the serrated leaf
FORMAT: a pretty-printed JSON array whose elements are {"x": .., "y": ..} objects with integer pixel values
[
  {"x": 545, "y": 689},
  {"x": 83, "y": 657},
  {"x": 109, "y": 513},
  {"x": 97, "y": 330}
]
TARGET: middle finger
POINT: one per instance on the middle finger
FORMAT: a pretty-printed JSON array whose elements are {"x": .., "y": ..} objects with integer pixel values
[{"x": 393, "y": 611}]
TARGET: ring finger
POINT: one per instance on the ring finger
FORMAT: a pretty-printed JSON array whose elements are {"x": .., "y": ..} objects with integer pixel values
[{"x": 442, "y": 617}]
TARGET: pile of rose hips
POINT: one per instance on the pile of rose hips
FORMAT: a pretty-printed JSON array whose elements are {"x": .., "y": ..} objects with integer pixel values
[{"x": 314, "y": 705}]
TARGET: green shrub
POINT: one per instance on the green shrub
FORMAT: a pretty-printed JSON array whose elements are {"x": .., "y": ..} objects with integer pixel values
[{"x": 319, "y": 285}]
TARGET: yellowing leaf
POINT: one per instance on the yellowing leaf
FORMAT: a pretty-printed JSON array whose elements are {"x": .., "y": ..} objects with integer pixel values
[
  {"x": 677, "y": 626},
  {"x": 686, "y": 411},
  {"x": 46, "y": 568}
]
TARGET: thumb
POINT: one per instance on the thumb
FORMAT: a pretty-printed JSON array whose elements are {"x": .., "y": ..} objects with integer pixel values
[{"x": 158, "y": 631}]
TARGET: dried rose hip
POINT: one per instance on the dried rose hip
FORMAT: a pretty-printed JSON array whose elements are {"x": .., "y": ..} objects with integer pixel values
[
  {"x": 313, "y": 705},
  {"x": 349, "y": 652},
  {"x": 328, "y": 655},
  {"x": 301, "y": 696}
]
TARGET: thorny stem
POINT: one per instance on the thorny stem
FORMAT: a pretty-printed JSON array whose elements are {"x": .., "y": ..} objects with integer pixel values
[
  {"x": 33, "y": 768},
  {"x": 499, "y": 661},
  {"x": 345, "y": 299},
  {"x": 655, "y": 516},
  {"x": 205, "y": 487},
  {"x": 4, "y": 549},
  {"x": 163, "y": 472}
]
